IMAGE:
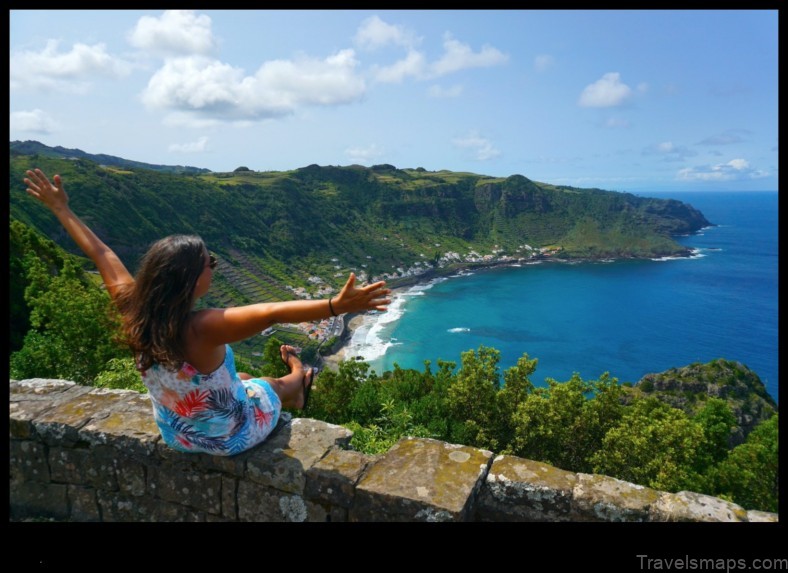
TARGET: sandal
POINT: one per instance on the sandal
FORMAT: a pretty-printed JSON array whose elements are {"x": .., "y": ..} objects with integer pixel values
[{"x": 308, "y": 389}]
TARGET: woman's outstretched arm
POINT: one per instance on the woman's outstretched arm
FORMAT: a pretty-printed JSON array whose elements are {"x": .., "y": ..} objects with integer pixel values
[
  {"x": 214, "y": 327},
  {"x": 54, "y": 197}
]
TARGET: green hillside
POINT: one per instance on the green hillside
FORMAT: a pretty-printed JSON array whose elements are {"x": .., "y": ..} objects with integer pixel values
[{"x": 308, "y": 228}]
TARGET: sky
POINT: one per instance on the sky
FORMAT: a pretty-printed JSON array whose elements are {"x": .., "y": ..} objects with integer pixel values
[{"x": 636, "y": 101}]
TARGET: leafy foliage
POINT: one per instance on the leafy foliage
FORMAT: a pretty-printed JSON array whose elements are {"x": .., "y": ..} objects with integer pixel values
[
  {"x": 749, "y": 475},
  {"x": 653, "y": 445},
  {"x": 73, "y": 326},
  {"x": 121, "y": 374}
]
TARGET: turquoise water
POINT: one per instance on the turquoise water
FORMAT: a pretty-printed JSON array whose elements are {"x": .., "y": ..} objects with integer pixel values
[{"x": 628, "y": 318}]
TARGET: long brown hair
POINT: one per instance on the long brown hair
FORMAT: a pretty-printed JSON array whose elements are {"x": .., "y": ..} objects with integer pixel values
[{"x": 155, "y": 309}]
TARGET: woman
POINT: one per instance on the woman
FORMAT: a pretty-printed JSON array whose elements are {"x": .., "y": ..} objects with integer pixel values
[{"x": 200, "y": 402}]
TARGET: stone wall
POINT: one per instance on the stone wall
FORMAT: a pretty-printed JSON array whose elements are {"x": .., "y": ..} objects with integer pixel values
[{"x": 84, "y": 454}]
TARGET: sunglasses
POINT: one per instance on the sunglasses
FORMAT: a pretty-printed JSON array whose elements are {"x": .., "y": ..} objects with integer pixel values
[{"x": 212, "y": 262}]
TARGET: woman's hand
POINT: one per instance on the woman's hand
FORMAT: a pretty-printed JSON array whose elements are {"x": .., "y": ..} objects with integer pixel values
[
  {"x": 358, "y": 299},
  {"x": 53, "y": 196}
]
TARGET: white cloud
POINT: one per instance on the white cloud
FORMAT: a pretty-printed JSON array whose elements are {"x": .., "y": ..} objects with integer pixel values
[
  {"x": 670, "y": 151},
  {"x": 374, "y": 33},
  {"x": 481, "y": 147},
  {"x": 364, "y": 154},
  {"x": 543, "y": 62},
  {"x": 733, "y": 170},
  {"x": 191, "y": 147},
  {"x": 458, "y": 56},
  {"x": 437, "y": 91},
  {"x": 36, "y": 121},
  {"x": 50, "y": 69},
  {"x": 605, "y": 92},
  {"x": 726, "y": 138},
  {"x": 209, "y": 88},
  {"x": 176, "y": 32},
  {"x": 413, "y": 64}
]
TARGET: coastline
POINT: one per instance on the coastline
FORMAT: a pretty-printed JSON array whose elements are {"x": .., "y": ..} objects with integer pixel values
[{"x": 400, "y": 286}]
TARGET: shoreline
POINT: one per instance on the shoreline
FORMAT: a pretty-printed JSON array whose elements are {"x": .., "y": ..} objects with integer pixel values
[{"x": 352, "y": 322}]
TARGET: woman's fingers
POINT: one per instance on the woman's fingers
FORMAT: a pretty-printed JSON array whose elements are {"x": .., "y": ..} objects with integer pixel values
[{"x": 37, "y": 180}]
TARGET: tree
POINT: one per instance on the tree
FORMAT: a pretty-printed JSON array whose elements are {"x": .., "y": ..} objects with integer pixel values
[
  {"x": 120, "y": 373},
  {"x": 717, "y": 420},
  {"x": 652, "y": 445},
  {"x": 749, "y": 475},
  {"x": 546, "y": 423},
  {"x": 272, "y": 359},
  {"x": 333, "y": 394},
  {"x": 74, "y": 327},
  {"x": 517, "y": 387},
  {"x": 471, "y": 398}
]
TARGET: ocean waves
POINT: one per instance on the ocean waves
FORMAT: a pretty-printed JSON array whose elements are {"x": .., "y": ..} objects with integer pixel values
[{"x": 371, "y": 339}]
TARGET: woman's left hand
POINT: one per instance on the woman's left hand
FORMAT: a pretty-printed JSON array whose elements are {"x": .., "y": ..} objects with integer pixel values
[{"x": 358, "y": 299}]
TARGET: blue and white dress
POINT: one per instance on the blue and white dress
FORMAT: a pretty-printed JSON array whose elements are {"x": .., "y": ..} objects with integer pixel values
[{"x": 216, "y": 413}]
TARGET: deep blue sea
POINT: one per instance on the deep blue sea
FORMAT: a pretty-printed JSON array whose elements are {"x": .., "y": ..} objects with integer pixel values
[{"x": 628, "y": 318}]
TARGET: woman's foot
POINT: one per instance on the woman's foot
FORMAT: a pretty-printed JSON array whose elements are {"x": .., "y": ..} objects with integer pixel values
[{"x": 290, "y": 358}]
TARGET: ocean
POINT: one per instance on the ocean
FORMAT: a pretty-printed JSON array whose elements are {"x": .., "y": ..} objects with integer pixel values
[{"x": 626, "y": 318}]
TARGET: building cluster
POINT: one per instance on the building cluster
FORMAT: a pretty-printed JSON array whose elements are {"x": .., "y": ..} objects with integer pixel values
[{"x": 325, "y": 329}]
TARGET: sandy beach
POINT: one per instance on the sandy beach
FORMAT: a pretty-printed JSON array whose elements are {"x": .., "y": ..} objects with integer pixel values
[{"x": 332, "y": 361}]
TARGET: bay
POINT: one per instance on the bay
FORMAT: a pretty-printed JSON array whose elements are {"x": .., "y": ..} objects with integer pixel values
[{"x": 627, "y": 318}]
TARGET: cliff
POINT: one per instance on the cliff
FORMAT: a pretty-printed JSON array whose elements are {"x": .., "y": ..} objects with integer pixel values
[{"x": 688, "y": 388}]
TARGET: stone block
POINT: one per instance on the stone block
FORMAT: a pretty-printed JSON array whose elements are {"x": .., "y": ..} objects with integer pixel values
[
  {"x": 131, "y": 476},
  {"x": 421, "y": 479},
  {"x": 198, "y": 490},
  {"x": 83, "y": 466},
  {"x": 517, "y": 489},
  {"x": 69, "y": 465},
  {"x": 229, "y": 496},
  {"x": 282, "y": 460},
  {"x": 60, "y": 424},
  {"x": 603, "y": 498},
  {"x": 332, "y": 480},
  {"x": 257, "y": 502},
  {"x": 762, "y": 516},
  {"x": 39, "y": 387},
  {"x": 232, "y": 465},
  {"x": 29, "y": 399},
  {"x": 691, "y": 506},
  {"x": 119, "y": 507},
  {"x": 83, "y": 503},
  {"x": 337, "y": 514},
  {"x": 128, "y": 424},
  {"x": 28, "y": 461},
  {"x": 217, "y": 519},
  {"x": 32, "y": 499}
]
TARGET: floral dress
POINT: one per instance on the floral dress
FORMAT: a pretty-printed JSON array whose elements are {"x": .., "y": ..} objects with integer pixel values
[{"x": 216, "y": 413}]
